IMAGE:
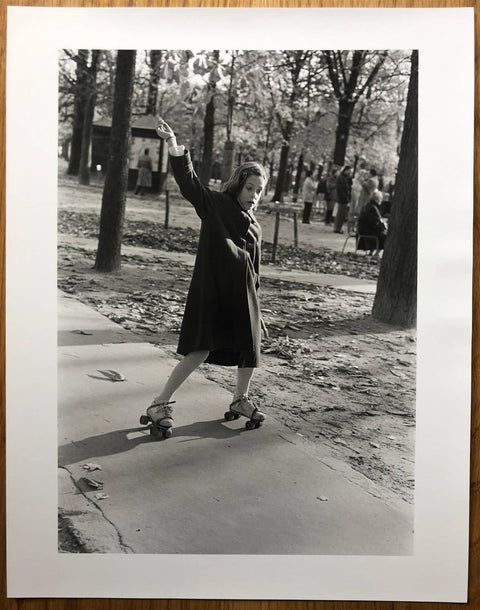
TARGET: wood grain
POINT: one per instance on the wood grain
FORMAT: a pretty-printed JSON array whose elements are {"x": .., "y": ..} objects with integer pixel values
[{"x": 125, "y": 604}]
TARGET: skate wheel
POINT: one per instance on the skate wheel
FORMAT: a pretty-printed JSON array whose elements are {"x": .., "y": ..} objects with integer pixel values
[
  {"x": 144, "y": 419},
  {"x": 167, "y": 433},
  {"x": 250, "y": 424},
  {"x": 228, "y": 415},
  {"x": 258, "y": 424}
]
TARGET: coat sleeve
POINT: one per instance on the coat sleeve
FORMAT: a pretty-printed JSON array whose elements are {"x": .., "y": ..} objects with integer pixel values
[
  {"x": 379, "y": 224},
  {"x": 190, "y": 186}
]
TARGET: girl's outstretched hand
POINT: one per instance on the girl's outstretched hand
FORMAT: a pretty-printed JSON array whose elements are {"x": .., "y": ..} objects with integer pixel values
[{"x": 164, "y": 130}]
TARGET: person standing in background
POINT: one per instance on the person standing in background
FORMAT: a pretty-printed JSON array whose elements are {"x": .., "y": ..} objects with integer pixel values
[
  {"x": 344, "y": 194},
  {"x": 369, "y": 186},
  {"x": 144, "y": 178},
  {"x": 309, "y": 192},
  {"x": 330, "y": 195}
]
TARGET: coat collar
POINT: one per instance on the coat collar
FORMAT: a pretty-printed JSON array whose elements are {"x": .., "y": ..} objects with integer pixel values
[{"x": 240, "y": 217}]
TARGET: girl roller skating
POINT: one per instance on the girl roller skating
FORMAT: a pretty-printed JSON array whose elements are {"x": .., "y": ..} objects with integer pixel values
[{"x": 222, "y": 323}]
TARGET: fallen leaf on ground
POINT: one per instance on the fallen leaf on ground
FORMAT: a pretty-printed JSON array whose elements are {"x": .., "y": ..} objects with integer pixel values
[
  {"x": 91, "y": 467},
  {"x": 112, "y": 375},
  {"x": 93, "y": 483},
  {"x": 399, "y": 413}
]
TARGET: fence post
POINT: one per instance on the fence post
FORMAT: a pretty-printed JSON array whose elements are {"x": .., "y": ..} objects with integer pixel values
[
  {"x": 167, "y": 207},
  {"x": 295, "y": 230},
  {"x": 275, "y": 236}
]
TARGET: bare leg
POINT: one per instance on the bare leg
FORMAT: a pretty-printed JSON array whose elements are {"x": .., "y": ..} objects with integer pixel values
[
  {"x": 244, "y": 376},
  {"x": 181, "y": 372}
]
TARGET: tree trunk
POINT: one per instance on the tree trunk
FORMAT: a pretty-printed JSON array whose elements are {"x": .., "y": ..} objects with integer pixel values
[
  {"x": 230, "y": 101},
  {"x": 345, "y": 110},
  {"x": 282, "y": 174},
  {"x": 78, "y": 113},
  {"x": 355, "y": 163},
  {"x": 282, "y": 170},
  {"x": 208, "y": 128},
  {"x": 396, "y": 297},
  {"x": 267, "y": 140},
  {"x": 84, "y": 170},
  {"x": 270, "y": 177},
  {"x": 228, "y": 159},
  {"x": 209, "y": 125},
  {"x": 298, "y": 177},
  {"x": 152, "y": 96},
  {"x": 65, "y": 147},
  {"x": 116, "y": 179}
]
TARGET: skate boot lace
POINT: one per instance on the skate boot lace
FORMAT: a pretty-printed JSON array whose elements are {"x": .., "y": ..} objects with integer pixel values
[{"x": 162, "y": 408}]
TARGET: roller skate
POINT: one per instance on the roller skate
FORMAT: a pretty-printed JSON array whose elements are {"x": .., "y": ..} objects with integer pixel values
[
  {"x": 159, "y": 415},
  {"x": 244, "y": 406}
]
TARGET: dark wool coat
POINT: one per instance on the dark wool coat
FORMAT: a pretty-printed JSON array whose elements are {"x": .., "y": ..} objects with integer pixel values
[
  {"x": 344, "y": 188},
  {"x": 370, "y": 224},
  {"x": 222, "y": 312}
]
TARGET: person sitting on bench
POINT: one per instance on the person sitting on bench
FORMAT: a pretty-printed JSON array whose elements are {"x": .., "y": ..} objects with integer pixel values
[{"x": 371, "y": 228}]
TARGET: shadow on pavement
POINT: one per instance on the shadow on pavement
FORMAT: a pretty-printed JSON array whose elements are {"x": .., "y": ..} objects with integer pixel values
[
  {"x": 67, "y": 338},
  {"x": 118, "y": 441}
]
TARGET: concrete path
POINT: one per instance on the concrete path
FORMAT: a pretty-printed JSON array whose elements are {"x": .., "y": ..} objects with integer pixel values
[
  {"x": 214, "y": 487},
  {"x": 342, "y": 282}
]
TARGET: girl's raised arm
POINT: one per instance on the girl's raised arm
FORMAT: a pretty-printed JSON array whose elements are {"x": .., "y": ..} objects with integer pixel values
[{"x": 190, "y": 186}]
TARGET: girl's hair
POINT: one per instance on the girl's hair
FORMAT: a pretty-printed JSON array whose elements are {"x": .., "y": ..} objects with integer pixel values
[{"x": 237, "y": 180}]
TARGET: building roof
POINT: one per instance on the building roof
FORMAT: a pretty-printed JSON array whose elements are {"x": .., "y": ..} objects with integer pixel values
[{"x": 145, "y": 121}]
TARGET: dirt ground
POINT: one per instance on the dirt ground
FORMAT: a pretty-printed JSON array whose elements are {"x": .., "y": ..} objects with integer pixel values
[{"x": 329, "y": 371}]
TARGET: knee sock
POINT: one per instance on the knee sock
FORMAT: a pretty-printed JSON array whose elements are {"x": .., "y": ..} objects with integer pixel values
[
  {"x": 181, "y": 372},
  {"x": 244, "y": 376}
]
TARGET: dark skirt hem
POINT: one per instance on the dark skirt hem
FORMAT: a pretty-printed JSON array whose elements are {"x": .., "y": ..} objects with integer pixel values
[{"x": 228, "y": 357}]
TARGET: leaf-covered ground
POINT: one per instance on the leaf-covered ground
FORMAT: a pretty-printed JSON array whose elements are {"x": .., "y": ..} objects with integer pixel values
[
  {"x": 151, "y": 234},
  {"x": 329, "y": 371}
]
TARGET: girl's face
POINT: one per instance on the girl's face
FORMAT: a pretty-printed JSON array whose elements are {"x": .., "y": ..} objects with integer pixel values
[{"x": 251, "y": 192}]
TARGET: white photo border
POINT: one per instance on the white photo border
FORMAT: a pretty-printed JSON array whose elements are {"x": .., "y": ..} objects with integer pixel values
[{"x": 438, "y": 569}]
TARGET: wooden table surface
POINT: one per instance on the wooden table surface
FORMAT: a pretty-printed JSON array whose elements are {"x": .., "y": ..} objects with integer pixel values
[{"x": 125, "y": 604}]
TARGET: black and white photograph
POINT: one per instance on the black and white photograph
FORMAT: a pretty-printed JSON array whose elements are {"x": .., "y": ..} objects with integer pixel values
[
  {"x": 250, "y": 217},
  {"x": 256, "y": 327}
]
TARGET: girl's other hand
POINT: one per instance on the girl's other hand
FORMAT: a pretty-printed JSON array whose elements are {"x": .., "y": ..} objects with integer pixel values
[{"x": 164, "y": 130}]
